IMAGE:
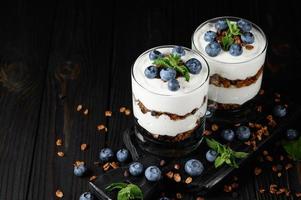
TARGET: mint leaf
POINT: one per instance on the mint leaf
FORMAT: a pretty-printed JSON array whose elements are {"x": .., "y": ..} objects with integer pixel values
[
  {"x": 226, "y": 42},
  {"x": 240, "y": 154},
  {"x": 293, "y": 148},
  {"x": 124, "y": 194},
  {"x": 213, "y": 144},
  {"x": 135, "y": 191},
  {"x": 218, "y": 162},
  {"x": 114, "y": 186}
]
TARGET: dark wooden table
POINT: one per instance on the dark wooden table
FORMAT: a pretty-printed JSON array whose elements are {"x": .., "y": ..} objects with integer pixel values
[{"x": 59, "y": 54}]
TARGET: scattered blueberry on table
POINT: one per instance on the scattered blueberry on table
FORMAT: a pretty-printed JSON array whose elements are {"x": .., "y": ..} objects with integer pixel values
[
  {"x": 106, "y": 154},
  {"x": 292, "y": 134},
  {"x": 279, "y": 111},
  {"x": 194, "y": 167},
  {"x": 86, "y": 196},
  {"x": 151, "y": 72},
  {"x": 152, "y": 173},
  {"x": 136, "y": 169},
  {"x": 211, "y": 155},
  {"x": 228, "y": 135},
  {"x": 122, "y": 155},
  {"x": 243, "y": 133},
  {"x": 79, "y": 169}
]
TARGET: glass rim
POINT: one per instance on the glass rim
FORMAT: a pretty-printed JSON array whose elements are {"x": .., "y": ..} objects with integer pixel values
[
  {"x": 229, "y": 17},
  {"x": 170, "y": 46}
]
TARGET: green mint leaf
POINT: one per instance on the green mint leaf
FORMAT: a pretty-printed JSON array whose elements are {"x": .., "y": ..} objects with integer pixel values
[
  {"x": 213, "y": 144},
  {"x": 135, "y": 191},
  {"x": 293, "y": 148},
  {"x": 218, "y": 162},
  {"x": 226, "y": 42},
  {"x": 124, "y": 194},
  {"x": 114, "y": 186},
  {"x": 238, "y": 154},
  {"x": 161, "y": 62}
]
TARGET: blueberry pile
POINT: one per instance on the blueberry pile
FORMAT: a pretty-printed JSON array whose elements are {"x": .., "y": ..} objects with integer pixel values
[
  {"x": 169, "y": 67},
  {"x": 229, "y": 36}
]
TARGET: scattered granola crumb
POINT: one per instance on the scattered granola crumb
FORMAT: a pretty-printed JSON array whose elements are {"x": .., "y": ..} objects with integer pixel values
[
  {"x": 126, "y": 173},
  {"x": 177, "y": 177},
  {"x": 122, "y": 109},
  {"x": 188, "y": 180},
  {"x": 78, "y": 163},
  {"x": 261, "y": 92},
  {"x": 169, "y": 174},
  {"x": 279, "y": 174},
  {"x": 106, "y": 166},
  {"x": 162, "y": 163},
  {"x": 214, "y": 127},
  {"x": 179, "y": 195},
  {"x": 257, "y": 171},
  {"x": 127, "y": 112},
  {"x": 177, "y": 166},
  {"x": 265, "y": 153},
  {"x": 59, "y": 142},
  {"x": 298, "y": 194},
  {"x": 101, "y": 127},
  {"x": 288, "y": 166},
  {"x": 79, "y": 107},
  {"x": 59, "y": 194},
  {"x": 269, "y": 158},
  {"x": 273, "y": 188},
  {"x": 261, "y": 190},
  {"x": 114, "y": 165},
  {"x": 83, "y": 147},
  {"x": 227, "y": 188},
  {"x": 86, "y": 111},
  {"x": 92, "y": 178},
  {"x": 60, "y": 154},
  {"x": 108, "y": 113}
]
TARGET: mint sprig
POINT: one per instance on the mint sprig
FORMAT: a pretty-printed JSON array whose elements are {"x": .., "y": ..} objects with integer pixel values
[
  {"x": 293, "y": 148},
  {"x": 225, "y": 154},
  {"x": 227, "y": 39},
  {"x": 174, "y": 62},
  {"x": 126, "y": 191}
]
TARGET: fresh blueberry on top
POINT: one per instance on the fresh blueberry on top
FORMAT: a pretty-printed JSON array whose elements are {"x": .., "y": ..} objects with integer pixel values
[
  {"x": 86, "y": 196},
  {"x": 213, "y": 49},
  {"x": 244, "y": 25},
  {"x": 154, "y": 54},
  {"x": 211, "y": 155},
  {"x": 209, "y": 36},
  {"x": 228, "y": 135},
  {"x": 247, "y": 38},
  {"x": 235, "y": 50},
  {"x": 292, "y": 134},
  {"x": 167, "y": 73},
  {"x": 106, "y": 154},
  {"x": 279, "y": 111},
  {"x": 151, "y": 72},
  {"x": 178, "y": 50},
  {"x": 221, "y": 25},
  {"x": 136, "y": 169},
  {"x": 79, "y": 169},
  {"x": 122, "y": 155},
  {"x": 152, "y": 173},
  {"x": 243, "y": 133},
  {"x": 173, "y": 85},
  {"x": 194, "y": 167},
  {"x": 194, "y": 65}
]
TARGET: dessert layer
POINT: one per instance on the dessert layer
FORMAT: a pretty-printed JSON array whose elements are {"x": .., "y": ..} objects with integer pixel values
[
  {"x": 158, "y": 86},
  {"x": 165, "y": 124},
  {"x": 220, "y": 81},
  {"x": 232, "y": 95}
]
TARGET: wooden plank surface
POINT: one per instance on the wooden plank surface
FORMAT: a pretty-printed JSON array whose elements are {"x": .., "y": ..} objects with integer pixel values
[{"x": 58, "y": 55}]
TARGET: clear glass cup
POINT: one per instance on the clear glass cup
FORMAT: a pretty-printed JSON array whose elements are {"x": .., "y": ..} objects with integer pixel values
[
  {"x": 234, "y": 80},
  {"x": 169, "y": 123}
]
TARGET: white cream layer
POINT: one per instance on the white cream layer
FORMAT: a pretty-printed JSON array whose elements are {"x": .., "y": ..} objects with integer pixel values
[
  {"x": 234, "y": 95},
  {"x": 228, "y": 66}
]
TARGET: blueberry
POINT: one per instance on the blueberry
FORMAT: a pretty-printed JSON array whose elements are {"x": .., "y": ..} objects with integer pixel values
[
  {"x": 279, "y": 111},
  {"x": 173, "y": 85},
  {"x": 235, "y": 50},
  {"x": 178, "y": 50},
  {"x": 136, "y": 169},
  {"x": 122, "y": 155},
  {"x": 167, "y": 73},
  {"x": 243, "y": 133},
  {"x": 106, "y": 154},
  {"x": 194, "y": 167},
  {"x": 209, "y": 114},
  {"x": 244, "y": 25},
  {"x": 152, "y": 173},
  {"x": 164, "y": 198},
  {"x": 213, "y": 49},
  {"x": 292, "y": 134},
  {"x": 194, "y": 65},
  {"x": 221, "y": 25},
  {"x": 154, "y": 54},
  {"x": 209, "y": 36},
  {"x": 151, "y": 72},
  {"x": 228, "y": 135},
  {"x": 211, "y": 155},
  {"x": 79, "y": 169},
  {"x": 247, "y": 38},
  {"x": 86, "y": 196}
]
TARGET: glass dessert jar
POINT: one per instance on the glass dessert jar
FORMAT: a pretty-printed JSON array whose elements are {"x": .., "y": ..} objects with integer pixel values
[
  {"x": 169, "y": 90},
  {"x": 235, "y": 50}
]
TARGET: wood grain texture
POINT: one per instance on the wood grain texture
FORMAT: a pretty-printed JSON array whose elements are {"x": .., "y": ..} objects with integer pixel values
[{"x": 59, "y": 54}]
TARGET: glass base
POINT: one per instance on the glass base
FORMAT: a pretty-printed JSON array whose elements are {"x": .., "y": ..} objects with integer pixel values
[{"x": 165, "y": 146}]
